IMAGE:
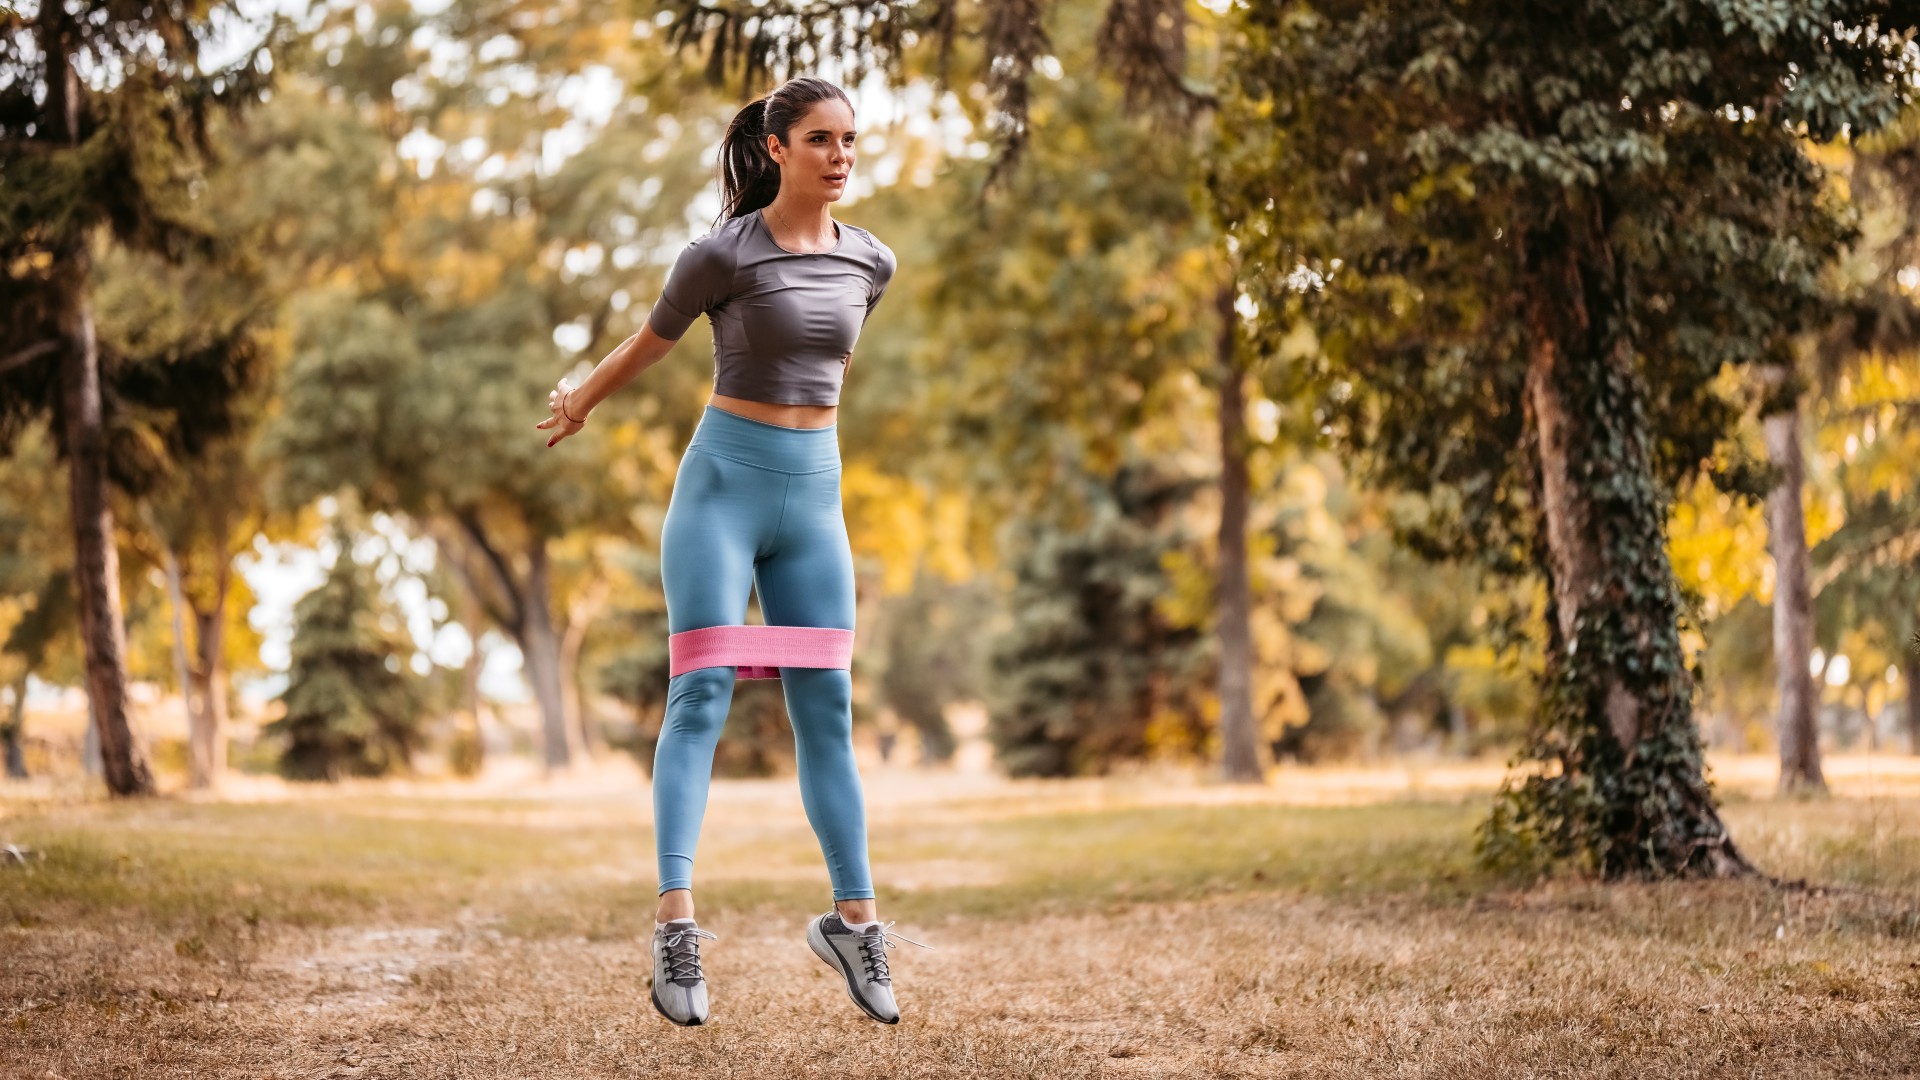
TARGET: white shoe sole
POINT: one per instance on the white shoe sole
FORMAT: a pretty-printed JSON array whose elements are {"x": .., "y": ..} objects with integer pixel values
[
  {"x": 654, "y": 996},
  {"x": 817, "y": 941}
]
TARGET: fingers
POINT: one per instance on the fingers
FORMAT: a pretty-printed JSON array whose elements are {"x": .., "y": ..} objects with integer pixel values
[{"x": 554, "y": 399}]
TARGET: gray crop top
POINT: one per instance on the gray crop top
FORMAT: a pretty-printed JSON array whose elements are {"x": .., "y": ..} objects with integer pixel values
[{"x": 784, "y": 323}]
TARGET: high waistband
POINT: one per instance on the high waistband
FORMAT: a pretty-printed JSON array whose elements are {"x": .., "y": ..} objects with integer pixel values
[{"x": 770, "y": 446}]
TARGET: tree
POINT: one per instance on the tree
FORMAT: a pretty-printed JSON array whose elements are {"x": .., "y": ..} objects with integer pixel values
[
  {"x": 484, "y": 273},
  {"x": 352, "y": 706},
  {"x": 118, "y": 146},
  {"x": 1870, "y": 314},
  {"x": 1091, "y": 672},
  {"x": 1792, "y": 598},
  {"x": 1868, "y": 366},
  {"x": 933, "y": 644},
  {"x": 193, "y": 540},
  {"x": 37, "y": 609},
  {"x": 1529, "y": 239}
]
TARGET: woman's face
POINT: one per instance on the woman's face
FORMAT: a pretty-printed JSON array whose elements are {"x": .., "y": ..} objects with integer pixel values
[{"x": 817, "y": 160}]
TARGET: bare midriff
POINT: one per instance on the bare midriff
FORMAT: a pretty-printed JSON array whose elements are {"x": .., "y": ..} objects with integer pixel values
[{"x": 769, "y": 412}]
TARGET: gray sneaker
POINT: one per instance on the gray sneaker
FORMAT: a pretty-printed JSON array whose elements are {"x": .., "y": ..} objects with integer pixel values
[
  {"x": 861, "y": 959},
  {"x": 679, "y": 987}
]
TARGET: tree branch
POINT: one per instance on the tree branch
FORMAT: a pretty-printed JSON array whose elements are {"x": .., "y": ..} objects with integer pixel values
[
  {"x": 28, "y": 355},
  {"x": 457, "y": 556},
  {"x": 1902, "y": 545},
  {"x": 502, "y": 573}
]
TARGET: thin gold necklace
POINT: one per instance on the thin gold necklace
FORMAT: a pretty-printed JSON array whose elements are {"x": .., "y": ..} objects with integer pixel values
[{"x": 783, "y": 224}]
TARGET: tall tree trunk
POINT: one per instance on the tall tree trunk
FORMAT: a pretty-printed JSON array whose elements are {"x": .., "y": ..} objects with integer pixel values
[
  {"x": 473, "y": 619},
  {"x": 1617, "y": 684},
  {"x": 1792, "y": 599},
  {"x": 524, "y": 609},
  {"x": 190, "y": 694},
  {"x": 580, "y": 616},
  {"x": 1240, "y": 749},
  {"x": 15, "y": 729},
  {"x": 540, "y": 645},
  {"x": 1910, "y": 672},
  {"x": 96, "y": 569},
  {"x": 208, "y": 738},
  {"x": 96, "y": 561},
  {"x": 90, "y": 746}
]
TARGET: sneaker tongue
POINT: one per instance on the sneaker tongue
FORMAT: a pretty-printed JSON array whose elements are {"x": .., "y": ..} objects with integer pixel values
[{"x": 681, "y": 923}]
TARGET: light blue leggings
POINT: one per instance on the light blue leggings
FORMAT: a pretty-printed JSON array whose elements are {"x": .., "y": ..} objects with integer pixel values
[{"x": 757, "y": 505}]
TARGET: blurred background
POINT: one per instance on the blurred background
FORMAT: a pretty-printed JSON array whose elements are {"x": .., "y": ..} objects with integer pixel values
[{"x": 325, "y": 323}]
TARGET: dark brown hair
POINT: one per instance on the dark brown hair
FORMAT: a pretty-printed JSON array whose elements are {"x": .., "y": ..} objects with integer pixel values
[{"x": 749, "y": 177}]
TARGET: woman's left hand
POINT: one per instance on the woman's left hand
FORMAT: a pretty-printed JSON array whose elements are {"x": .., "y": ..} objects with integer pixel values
[{"x": 562, "y": 424}]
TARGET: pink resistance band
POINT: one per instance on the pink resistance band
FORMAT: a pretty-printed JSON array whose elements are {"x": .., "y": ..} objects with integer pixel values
[{"x": 759, "y": 651}]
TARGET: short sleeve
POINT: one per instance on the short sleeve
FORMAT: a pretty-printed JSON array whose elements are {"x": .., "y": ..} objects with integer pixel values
[
  {"x": 882, "y": 274},
  {"x": 700, "y": 280}
]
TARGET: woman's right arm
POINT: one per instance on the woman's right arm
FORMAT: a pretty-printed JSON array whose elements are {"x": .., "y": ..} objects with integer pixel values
[
  {"x": 628, "y": 359},
  {"x": 570, "y": 405},
  {"x": 701, "y": 277}
]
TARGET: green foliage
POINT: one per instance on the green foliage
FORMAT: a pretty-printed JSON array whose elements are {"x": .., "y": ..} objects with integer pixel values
[
  {"x": 1364, "y": 659},
  {"x": 352, "y": 706},
  {"x": 1597, "y": 205},
  {"x": 1069, "y": 317},
  {"x": 136, "y": 171},
  {"x": 935, "y": 648},
  {"x": 633, "y": 670},
  {"x": 1091, "y": 673}
]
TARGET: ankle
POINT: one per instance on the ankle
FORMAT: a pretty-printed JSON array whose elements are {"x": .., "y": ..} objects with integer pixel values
[
  {"x": 674, "y": 904},
  {"x": 857, "y": 911}
]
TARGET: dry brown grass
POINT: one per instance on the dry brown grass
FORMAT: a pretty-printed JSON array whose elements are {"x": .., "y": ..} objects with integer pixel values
[{"x": 1122, "y": 929}]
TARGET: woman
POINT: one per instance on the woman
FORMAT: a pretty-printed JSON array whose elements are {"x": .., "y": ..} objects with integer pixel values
[{"x": 756, "y": 505}]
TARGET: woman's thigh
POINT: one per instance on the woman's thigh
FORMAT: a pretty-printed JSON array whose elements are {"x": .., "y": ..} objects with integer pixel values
[
  {"x": 721, "y": 514},
  {"x": 808, "y": 579}
]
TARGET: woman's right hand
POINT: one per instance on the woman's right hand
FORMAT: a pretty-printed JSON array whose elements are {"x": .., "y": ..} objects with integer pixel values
[{"x": 561, "y": 424}]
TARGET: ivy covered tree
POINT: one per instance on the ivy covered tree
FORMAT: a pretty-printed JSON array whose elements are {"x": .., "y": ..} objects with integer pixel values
[
  {"x": 1529, "y": 239},
  {"x": 352, "y": 706}
]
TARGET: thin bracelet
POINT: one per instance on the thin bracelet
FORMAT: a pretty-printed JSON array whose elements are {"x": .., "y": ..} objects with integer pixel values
[{"x": 563, "y": 406}]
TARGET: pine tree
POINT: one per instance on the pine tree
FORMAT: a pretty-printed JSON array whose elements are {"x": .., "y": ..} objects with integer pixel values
[
  {"x": 1090, "y": 665},
  {"x": 352, "y": 707}
]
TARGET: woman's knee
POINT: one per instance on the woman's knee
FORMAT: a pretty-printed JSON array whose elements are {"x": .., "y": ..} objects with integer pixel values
[
  {"x": 820, "y": 703},
  {"x": 697, "y": 702}
]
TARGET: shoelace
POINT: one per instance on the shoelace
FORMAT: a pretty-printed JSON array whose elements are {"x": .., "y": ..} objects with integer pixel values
[
  {"x": 682, "y": 949},
  {"x": 873, "y": 951}
]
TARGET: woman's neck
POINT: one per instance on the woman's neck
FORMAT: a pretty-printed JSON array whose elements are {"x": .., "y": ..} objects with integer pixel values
[{"x": 812, "y": 221}]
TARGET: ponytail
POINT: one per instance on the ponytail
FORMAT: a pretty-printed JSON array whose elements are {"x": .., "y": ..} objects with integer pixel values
[{"x": 749, "y": 177}]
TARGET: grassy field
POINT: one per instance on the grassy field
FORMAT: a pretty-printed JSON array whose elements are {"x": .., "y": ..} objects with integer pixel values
[{"x": 1329, "y": 925}]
